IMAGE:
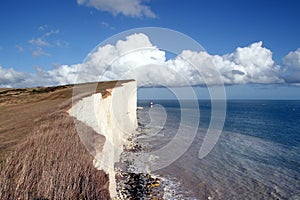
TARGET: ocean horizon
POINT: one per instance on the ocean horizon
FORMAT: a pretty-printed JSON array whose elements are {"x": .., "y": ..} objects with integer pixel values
[{"x": 256, "y": 157}]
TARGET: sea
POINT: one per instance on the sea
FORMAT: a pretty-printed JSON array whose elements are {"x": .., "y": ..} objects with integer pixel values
[{"x": 256, "y": 156}]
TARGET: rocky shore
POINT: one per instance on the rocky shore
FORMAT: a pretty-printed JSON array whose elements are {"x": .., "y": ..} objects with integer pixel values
[{"x": 134, "y": 182}]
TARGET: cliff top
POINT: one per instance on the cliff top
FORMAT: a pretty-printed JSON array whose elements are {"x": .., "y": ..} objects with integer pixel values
[{"x": 40, "y": 149}]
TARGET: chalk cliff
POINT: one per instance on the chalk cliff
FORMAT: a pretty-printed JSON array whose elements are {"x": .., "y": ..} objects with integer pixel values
[{"x": 114, "y": 116}]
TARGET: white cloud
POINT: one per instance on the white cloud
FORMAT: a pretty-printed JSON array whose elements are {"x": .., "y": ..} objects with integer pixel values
[
  {"x": 51, "y": 32},
  {"x": 107, "y": 25},
  {"x": 20, "y": 48},
  {"x": 45, "y": 41},
  {"x": 38, "y": 42},
  {"x": 42, "y": 41},
  {"x": 252, "y": 64},
  {"x": 43, "y": 27},
  {"x": 60, "y": 43},
  {"x": 10, "y": 77},
  {"x": 136, "y": 57},
  {"x": 292, "y": 59},
  {"x": 292, "y": 67},
  {"x": 39, "y": 52},
  {"x": 132, "y": 8}
]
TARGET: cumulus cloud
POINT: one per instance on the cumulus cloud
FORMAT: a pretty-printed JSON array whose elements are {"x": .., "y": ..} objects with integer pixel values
[
  {"x": 132, "y": 8},
  {"x": 292, "y": 67},
  {"x": 9, "y": 77},
  {"x": 136, "y": 57},
  {"x": 292, "y": 59},
  {"x": 252, "y": 64}
]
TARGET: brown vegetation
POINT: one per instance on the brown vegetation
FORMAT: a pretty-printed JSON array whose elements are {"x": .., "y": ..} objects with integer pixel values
[{"x": 41, "y": 155}]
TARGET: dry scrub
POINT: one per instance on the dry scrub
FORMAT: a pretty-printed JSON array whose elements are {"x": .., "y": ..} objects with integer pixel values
[
  {"x": 42, "y": 155},
  {"x": 52, "y": 164}
]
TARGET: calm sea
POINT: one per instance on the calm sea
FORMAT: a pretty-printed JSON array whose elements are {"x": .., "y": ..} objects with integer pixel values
[{"x": 256, "y": 157}]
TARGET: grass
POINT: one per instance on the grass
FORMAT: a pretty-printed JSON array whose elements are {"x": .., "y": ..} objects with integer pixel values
[
  {"x": 41, "y": 155},
  {"x": 52, "y": 164}
]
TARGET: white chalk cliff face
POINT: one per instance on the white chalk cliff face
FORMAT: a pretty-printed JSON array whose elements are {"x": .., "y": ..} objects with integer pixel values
[{"x": 113, "y": 117}]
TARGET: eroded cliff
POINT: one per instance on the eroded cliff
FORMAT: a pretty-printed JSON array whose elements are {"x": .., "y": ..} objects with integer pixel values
[{"x": 112, "y": 115}]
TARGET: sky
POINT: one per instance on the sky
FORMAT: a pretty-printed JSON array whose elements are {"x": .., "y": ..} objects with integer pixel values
[{"x": 253, "y": 44}]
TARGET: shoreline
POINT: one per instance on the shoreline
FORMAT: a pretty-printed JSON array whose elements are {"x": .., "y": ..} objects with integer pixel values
[
  {"x": 104, "y": 114},
  {"x": 136, "y": 182}
]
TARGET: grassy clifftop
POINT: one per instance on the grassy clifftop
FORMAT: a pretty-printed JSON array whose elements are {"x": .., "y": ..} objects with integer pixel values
[{"x": 40, "y": 151}]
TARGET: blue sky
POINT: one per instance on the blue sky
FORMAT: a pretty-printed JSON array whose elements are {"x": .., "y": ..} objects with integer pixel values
[{"x": 46, "y": 34}]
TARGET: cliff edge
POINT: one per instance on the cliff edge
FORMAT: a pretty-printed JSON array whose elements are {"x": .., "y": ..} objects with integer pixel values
[
  {"x": 42, "y": 156},
  {"x": 114, "y": 117}
]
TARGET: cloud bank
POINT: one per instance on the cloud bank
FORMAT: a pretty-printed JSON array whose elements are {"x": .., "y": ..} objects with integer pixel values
[
  {"x": 11, "y": 78},
  {"x": 131, "y": 8},
  {"x": 292, "y": 67},
  {"x": 136, "y": 57}
]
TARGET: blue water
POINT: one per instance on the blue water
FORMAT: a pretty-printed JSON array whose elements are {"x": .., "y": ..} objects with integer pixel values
[{"x": 256, "y": 157}]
